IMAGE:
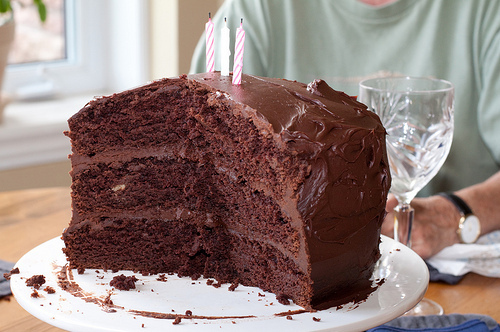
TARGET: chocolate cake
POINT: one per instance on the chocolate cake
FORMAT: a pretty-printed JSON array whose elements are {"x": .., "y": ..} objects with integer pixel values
[{"x": 271, "y": 183}]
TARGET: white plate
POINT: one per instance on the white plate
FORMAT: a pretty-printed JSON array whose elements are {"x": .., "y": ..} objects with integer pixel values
[{"x": 406, "y": 280}]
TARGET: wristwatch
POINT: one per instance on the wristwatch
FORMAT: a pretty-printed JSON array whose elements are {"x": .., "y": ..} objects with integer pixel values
[{"x": 469, "y": 226}]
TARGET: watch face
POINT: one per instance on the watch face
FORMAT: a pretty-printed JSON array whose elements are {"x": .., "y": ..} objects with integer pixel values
[{"x": 470, "y": 229}]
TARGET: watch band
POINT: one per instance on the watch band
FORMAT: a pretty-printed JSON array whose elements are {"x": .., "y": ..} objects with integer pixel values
[
  {"x": 459, "y": 203},
  {"x": 469, "y": 227}
]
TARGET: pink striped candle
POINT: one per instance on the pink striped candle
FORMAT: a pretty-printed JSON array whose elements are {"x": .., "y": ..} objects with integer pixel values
[
  {"x": 209, "y": 39},
  {"x": 238, "y": 54}
]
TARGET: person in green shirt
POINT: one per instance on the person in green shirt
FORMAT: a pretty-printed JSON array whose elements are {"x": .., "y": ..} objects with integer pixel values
[{"x": 346, "y": 41}]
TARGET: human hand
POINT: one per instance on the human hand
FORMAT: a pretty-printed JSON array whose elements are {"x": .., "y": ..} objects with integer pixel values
[{"x": 434, "y": 226}]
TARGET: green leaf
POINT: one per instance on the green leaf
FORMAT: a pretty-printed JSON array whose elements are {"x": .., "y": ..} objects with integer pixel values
[
  {"x": 5, "y": 6},
  {"x": 42, "y": 10}
]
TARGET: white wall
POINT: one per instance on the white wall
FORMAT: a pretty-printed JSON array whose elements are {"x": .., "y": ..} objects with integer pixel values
[{"x": 185, "y": 19}]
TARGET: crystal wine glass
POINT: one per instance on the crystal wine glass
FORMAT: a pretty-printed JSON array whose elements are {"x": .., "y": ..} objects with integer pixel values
[{"x": 417, "y": 114}]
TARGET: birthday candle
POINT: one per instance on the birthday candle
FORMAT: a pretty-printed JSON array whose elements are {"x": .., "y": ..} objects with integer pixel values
[
  {"x": 225, "y": 51},
  {"x": 238, "y": 54},
  {"x": 209, "y": 39}
]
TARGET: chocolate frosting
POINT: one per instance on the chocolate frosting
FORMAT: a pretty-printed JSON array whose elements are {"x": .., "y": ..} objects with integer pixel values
[
  {"x": 333, "y": 131},
  {"x": 342, "y": 201}
]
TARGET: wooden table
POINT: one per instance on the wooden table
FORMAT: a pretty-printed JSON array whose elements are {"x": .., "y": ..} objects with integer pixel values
[{"x": 31, "y": 217}]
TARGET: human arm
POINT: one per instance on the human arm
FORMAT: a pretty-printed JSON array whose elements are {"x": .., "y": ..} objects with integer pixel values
[{"x": 436, "y": 218}]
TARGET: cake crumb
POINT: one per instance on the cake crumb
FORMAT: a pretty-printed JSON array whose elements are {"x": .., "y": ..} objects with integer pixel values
[
  {"x": 210, "y": 282},
  {"x": 189, "y": 313},
  {"x": 107, "y": 300},
  {"x": 36, "y": 281},
  {"x": 283, "y": 299},
  {"x": 289, "y": 317},
  {"x": 233, "y": 286},
  {"x": 49, "y": 290},
  {"x": 162, "y": 277},
  {"x": 123, "y": 282},
  {"x": 316, "y": 319},
  {"x": 81, "y": 270},
  {"x": 35, "y": 294},
  {"x": 177, "y": 320},
  {"x": 9, "y": 274}
]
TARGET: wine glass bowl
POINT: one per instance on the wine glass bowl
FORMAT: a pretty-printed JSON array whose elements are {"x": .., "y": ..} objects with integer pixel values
[
  {"x": 419, "y": 126},
  {"x": 417, "y": 114}
]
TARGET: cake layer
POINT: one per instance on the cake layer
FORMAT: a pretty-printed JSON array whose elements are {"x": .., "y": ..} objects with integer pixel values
[
  {"x": 185, "y": 120},
  {"x": 190, "y": 249},
  {"x": 161, "y": 188}
]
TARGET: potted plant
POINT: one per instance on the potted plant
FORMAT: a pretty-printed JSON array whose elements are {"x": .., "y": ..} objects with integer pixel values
[{"x": 7, "y": 29}]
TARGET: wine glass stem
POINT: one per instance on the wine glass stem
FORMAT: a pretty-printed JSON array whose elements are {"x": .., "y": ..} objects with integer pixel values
[{"x": 403, "y": 220}]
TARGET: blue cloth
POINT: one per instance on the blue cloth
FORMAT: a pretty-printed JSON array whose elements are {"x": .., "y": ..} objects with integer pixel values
[
  {"x": 444, "y": 323},
  {"x": 436, "y": 276},
  {"x": 5, "y": 267}
]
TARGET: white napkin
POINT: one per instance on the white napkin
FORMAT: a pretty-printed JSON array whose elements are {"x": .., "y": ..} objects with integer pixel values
[{"x": 482, "y": 257}]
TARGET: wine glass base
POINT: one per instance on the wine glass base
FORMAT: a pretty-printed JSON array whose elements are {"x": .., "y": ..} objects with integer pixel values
[{"x": 425, "y": 307}]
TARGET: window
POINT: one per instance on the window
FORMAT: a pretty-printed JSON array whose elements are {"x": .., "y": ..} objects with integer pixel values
[
  {"x": 35, "y": 41},
  {"x": 101, "y": 46}
]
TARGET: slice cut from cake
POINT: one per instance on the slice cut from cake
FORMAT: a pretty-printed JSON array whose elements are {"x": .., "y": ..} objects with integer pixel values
[{"x": 271, "y": 183}]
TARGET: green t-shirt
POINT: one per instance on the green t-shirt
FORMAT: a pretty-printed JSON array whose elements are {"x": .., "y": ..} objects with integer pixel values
[{"x": 345, "y": 41}]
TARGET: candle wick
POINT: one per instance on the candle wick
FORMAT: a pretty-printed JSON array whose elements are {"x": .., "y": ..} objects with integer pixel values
[{"x": 209, "y": 15}]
